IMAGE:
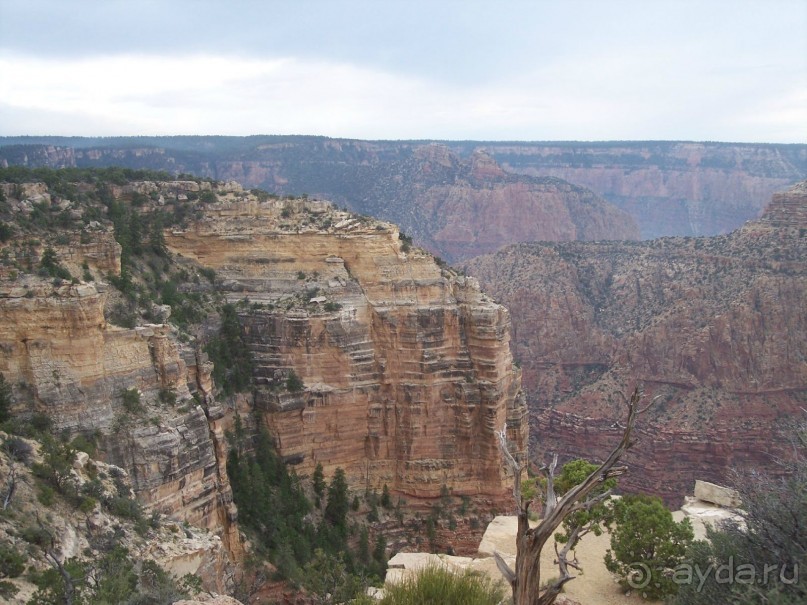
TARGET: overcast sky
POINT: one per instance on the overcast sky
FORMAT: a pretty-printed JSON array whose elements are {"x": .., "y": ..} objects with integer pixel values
[{"x": 407, "y": 69}]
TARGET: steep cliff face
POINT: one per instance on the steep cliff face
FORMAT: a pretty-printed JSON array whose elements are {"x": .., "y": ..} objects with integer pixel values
[
  {"x": 67, "y": 362},
  {"x": 715, "y": 327},
  {"x": 406, "y": 368},
  {"x": 459, "y": 208}
]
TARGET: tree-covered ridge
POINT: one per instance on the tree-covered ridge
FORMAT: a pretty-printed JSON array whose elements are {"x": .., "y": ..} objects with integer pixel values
[{"x": 325, "y": 551}]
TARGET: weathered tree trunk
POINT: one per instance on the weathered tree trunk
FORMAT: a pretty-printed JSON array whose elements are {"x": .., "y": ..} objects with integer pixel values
[{"x": 525, "y": 580}]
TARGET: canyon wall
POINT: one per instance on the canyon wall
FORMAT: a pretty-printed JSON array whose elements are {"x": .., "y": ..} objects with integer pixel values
[
  {"x": 459, "y": 208},
  {"x": 406, "y": 368},
  {"x": 67, "y": 362},
  {"x": 670, "y": 188},
  {"x": 667, "y": 187},
  {"x": 715, "y": 328}
]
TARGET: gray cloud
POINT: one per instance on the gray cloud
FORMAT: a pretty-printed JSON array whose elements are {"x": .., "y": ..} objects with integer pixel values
[{"x": 409, "y": 69}]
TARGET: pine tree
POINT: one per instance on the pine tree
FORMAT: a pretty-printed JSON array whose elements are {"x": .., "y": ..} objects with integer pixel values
[{"x": 337, "y": 506}]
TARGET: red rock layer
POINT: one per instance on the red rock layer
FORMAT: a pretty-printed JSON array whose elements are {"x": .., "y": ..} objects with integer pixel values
[
  {"x": 406, "y": 368},
  {"x": 714, "y": 327}
]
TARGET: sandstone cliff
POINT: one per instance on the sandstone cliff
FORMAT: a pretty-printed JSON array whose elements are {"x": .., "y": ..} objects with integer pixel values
[
  {"x": 67, "y": 362},
  {"x": 713, "y": 326},
  {"x": 406, "y": 367}
]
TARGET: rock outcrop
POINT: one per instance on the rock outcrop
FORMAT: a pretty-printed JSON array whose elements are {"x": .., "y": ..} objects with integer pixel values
[
  {"x": 406, "y": 369},
  {"x": 713, "y": 327}
]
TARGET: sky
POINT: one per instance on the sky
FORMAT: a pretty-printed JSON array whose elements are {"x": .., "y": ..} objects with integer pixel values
[{"x": 407, "y": 69}]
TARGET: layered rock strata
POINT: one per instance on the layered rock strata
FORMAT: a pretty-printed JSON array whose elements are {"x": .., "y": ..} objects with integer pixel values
[
  {"x": 459, "y": 208},
  {"x": 67, "y": 362},
  {"x": 406, "y": 367},
  {"x": 715, "y": 328},
  {"x": 668, "y": 187}
]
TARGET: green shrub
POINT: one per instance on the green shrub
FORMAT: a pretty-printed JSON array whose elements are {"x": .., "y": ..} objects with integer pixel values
[
  {"x": 208, "y": 197},
  {"x": 49, "y": 264},
  {"x": 38, "y": 536},
  {"x": 12, "y": 562},
  {"x": 6, "y": 231},
  {"x": 232, "y": 362},
  {"x": 439, "y": 585},
  {"x": 8, "y": 590},
  {"x": 126, "y": 508},
  {"x": 85, "y": 444},
  {"x": 294, "y": 384},
  {"x": 18, "y": 449},
  {"x": 168, "y": 397},
  {"x": 646, "y": 537},
  {"x": 131, "y": 401},
  {"x": 5, "y": 399},
  {"x": 41, "y": 423}
]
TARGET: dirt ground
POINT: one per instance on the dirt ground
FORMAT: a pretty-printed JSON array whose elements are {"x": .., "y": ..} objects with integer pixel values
[{"x": 594, "y": 586}]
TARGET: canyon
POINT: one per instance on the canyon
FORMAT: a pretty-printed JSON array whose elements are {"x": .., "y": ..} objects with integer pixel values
[
  {"x": 464, "y": 198},
  {"x": 713, "y": 328}
]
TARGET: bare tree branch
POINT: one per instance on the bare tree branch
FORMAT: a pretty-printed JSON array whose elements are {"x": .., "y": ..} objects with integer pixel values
[
  {"x": 526, "y": 581},
  {"x": 551, "y": 496},
  {"x": 11, "y": 486}
]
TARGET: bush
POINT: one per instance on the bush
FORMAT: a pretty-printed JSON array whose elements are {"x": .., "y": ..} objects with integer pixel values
[
  {"x": 648, "y": 542},
  {"x": 131, "y": 401},
  {"x": 294, "y": 383},
  {"x": 6, "y": 231},
  {"x": 38, "y": 536},
  {"x": 12, "y": 563},
  {"x": 767, "y": 558},
  {"x": 18, "y": 449},
  {"x": 168, "y": 397},
  {"x": 50, "y": 265},
  {"x": 46, "y": 495},
  {"x": 232, "y": 362},
  {"x": 439, "y": 585},
  {"x": 85, "y": 444}
]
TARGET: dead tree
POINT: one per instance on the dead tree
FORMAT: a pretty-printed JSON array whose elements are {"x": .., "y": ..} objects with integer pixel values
[
  {"x": 525, "y": 580},
  {"x": 11, "y": 486}
]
